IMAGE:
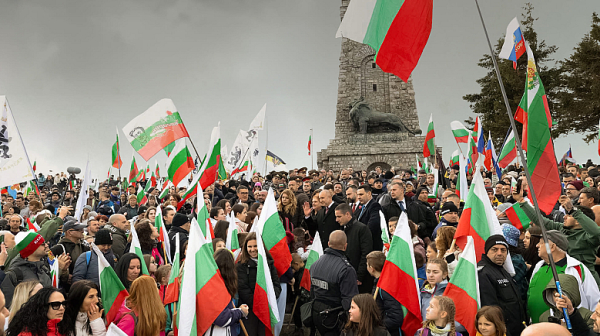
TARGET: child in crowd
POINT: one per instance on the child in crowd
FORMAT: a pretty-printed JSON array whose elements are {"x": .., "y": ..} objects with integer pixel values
[
  {"x": 391, "y": 310},
  {"x": 439, "y": 319},
  {"x": 431, "y": 251},
  {"x": 421, "y": 272},
  {"x": 301, "y": 245},
  {"x": 437, "y": 280},
  {"x": 162, "y": 280},
  {"x": 489, "y": 321}
]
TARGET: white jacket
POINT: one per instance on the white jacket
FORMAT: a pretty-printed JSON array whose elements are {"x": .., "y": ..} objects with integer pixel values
[
  {"x": 590, "y": 295},
  {"x": 97, "y": 325}
]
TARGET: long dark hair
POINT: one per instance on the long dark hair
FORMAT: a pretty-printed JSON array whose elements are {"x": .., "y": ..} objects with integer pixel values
[
  {"x": 245, "y": 256},
  {"x": 226, "y": 264},
  {"x": 221, "y": 229},
  {"x": 77, "y": 294},
  {"x": 33, "y": 316},
  {"x": 530, "y": 254},
  {"x": 144, "y": 233},
  {"x": 123, "y": 265},
  {"x": 370, "y": 317}
]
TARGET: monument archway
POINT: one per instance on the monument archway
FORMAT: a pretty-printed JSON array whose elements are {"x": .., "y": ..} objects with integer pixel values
[{"x": 384, "y": 166}]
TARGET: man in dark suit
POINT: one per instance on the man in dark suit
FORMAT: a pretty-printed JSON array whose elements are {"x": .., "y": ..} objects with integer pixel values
[
  {"x": 324, "y": 220},
  {"x": 369, "y": 215},
  {"x": 398, "y": 203}
]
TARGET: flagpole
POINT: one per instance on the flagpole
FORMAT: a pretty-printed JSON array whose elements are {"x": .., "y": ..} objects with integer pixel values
[
  {"x": 525, "y": 167},
  {"x": 312, "y": 167},
  {"x": 266, "y": 147}
]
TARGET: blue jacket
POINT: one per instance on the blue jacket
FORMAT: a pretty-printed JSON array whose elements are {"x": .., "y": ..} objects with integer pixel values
[{"x": 426, "y": 296}]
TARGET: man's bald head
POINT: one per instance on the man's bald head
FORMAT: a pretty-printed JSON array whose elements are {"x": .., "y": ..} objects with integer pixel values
[
  {"x": 338, "y": 240},
  {"x": 325, "y": 197},
  {"x": 546, "y": 329}
]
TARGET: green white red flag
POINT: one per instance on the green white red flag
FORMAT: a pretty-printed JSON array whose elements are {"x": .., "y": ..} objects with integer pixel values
[
  {"x": 517, "y": 217},
  {"x": 32, "y": 225},
  {"x": 136, "y": 248},
  {"x": 116, "y": 154},
  {"x": 428, "y": 149},
  {"x": 271, "y": 229},
  {"x": 163, "y": 237},
  {"x": 34, "y": 166},
  {"x": 166, "y": 189},
  {"x": 243, "y": 168},
  {"x": 32, "y": 187},
  {"x": 385, "y": 233},
  {"x": 141, "y": 194},
  {"x": 232, "y": 243},
  {"x": 541, "y": 160},
  {"x": 154, "y": 129},
  {"x": 309, "y": 144},
  {"x": 180, "y": 162},
  {"x": 173, "y": 286},
  {"x": 399, "y": 276},
  {"x": 265, "y": 300},
  {"x": 54, "y": 271},
  {"x": 112, "y": 290},
  {"x": 397, "y": 30},
  {"x": 315, "y": 252},
  {"x": 203, "y": 293},
  {"x": 460, "y": 132},
  {"x": 463, "y": 288},
  {"x": 133, "y": 171},
  {"x": 509, "y": 151},
  {"x": 203, "y": 216},
  {"x": 454, "y": 158}
]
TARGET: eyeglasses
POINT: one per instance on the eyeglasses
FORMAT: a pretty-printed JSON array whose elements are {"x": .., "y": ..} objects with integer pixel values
[{"x": 55, "y": 305}]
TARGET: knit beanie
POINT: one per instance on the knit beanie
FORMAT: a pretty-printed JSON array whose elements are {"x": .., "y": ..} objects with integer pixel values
[
  {"x": 493, "y": 240},
  {"x": 28, "y": 242},
  {"x": 102, "y": 237}
]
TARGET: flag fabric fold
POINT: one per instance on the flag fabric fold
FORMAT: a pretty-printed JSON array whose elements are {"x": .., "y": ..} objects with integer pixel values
[
  {"x": 136, "y": 248},
  {"x": 112, "y": 290},
  {"x": 508, "y": 154},
  {"x": 265, "y": 301},
  {"x": 315, "y": 252},
  {"x": 180, "y": 162},
  {"x": 116, "y": 154},
  {"x": 428, "y": 147},
  {"x": 460, "y": 132},
  {"x": 514, "y": 43}
]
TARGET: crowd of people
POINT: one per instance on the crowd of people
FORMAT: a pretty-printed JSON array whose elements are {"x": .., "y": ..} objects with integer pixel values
[{"x": 343, "y": 209}]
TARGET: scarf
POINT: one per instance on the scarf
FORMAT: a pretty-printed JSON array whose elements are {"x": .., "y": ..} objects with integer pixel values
[{"x": 436, "y": 331}]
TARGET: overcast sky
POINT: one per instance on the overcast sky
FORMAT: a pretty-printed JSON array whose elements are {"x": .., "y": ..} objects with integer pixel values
[{"x": 75, "y": 70}]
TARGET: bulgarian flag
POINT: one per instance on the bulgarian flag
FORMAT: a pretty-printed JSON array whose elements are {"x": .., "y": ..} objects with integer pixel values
[
  {"x": 309, "y": 144},
  {"x": 54, "y": 271},
  {"x": 112, "y": 290},
  {"x": 385, "y": 233},
  {"x": 166, "y": 189},
  {"x": 232, "y": 243},
  {"x": 203, "y": 292},
  {"x": 133, "y": 171},
  {"x": 169, "y": 148},
  {"x": 136, "y": 248},
  {"x": 454, "y": 158},
  {"x": 462, "y": 187},
  {"x": 141, "y": 195},
  {"x": 517, "y": 217},
  {"x": 428, "y": 145},
  {"x": 509, "y": 151},
  {"x": 241, "y": 169},
  {"x": 463, "y": 288},
  {"x": 172, "y": 294},
  {"x": 116, "y": 154},
  {"x": 397, "y": 30},
  {"x": 265, "y": 301},
  {"x": 460, "y": 132},
  {"x": 32, "y": 225},
  {"x": 315, "y": 252},
  {"x": 72, "y": 184},
  {"x": 271, "y": 229},
  {"x": 180, "y": 162},
  {"x": 207, "y": 173},
  {"x": 541, "y": 160},
  {"x": 154, "y": 129},
  {"x": 399, "y": 276},
  {"x": 157, "y": 171},
  {"x": 33, "y": 188},
  {"x": 163, "y": 237},
  {"x": 478, "y": 218},
  {"x": 34, "y": 166},
  {"x": 203, "y": 216}
]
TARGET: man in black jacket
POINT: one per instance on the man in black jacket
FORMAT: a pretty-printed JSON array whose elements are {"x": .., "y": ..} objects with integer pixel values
[
  {"x": 180, "y": 228},
  {"x": 421, "y": 214},
  {"x": 369, "y": 215},
  {"x": 497, "y": 287},
  {"x": 324, "y": 220},
  {"x": 359, "y": 245},
  {"x": 398, "y": 203},
  {"x": 333, "y": 285}
]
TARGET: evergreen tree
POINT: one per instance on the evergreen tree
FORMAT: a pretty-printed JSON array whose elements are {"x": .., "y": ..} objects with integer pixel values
[
  {"x": 579, "y": 100},
  {"x": 489, "y": 103}
]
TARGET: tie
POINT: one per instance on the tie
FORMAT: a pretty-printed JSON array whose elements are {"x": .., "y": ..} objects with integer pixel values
[
  {"x": 326, "y": 210},
  {"x": 353, "y": 207},
  {"x": 401, "y": 204},
  {"x": 361, "y": 211}
]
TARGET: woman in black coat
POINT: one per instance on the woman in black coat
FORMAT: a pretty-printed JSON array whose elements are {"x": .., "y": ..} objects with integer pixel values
[{"x": 246, "y": 269}]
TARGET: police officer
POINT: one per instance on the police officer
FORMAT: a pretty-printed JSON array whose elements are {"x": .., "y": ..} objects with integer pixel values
[
  {"x": 333, "y": 286},
  {"x": 498, "y": 288}
]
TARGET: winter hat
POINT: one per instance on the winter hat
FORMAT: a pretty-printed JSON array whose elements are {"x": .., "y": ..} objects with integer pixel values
[
  {"x": 180, "y": 219},
  {"x": 511, "y": 234},
  {"x": 102, "y": 237},
  {"x": 28, "y": 242},
  {"x": 577, "y": 184},
  {"x": 448, "y": 207},
  {"x": 559, "y": 239},
  {"x": 495, "y": 240}
]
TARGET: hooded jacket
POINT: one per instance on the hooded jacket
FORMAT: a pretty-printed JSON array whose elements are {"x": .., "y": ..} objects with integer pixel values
[
  {"x": 428, "y": 294},
  {"x": 38, "y": 270},
  {"x": 85, "y": 270},
  {"x": 570, "y": 288},
  {"x": 69, "y": 247},
  {"x": 119, "y": 239}
]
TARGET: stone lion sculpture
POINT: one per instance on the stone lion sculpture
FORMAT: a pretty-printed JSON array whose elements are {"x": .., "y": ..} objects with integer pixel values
[{"x": 362, "y": 116}]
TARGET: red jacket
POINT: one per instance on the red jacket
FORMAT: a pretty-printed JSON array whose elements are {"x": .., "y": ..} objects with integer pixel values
[{"x": 52, "y": 329}]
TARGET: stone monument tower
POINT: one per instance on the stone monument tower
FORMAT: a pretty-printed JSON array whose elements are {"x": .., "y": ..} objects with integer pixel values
[{"x": 376, "y": 119}]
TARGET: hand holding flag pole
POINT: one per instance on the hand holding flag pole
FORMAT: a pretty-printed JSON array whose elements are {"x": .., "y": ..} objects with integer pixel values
[{"x": 525, "y": 167}]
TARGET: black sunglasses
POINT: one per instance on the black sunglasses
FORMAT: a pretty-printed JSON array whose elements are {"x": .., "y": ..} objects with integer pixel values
[{"x": 56, "y": 304}]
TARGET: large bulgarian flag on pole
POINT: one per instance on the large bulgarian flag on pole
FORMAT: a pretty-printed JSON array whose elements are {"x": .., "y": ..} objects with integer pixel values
[
  {"x": 508, "y": 154},
  {"x": 397, "y": 30},
  {"x": 271, "y": 229},
  {"x": 541, "y": 160},
  {"x": 155, "y": 129},
  {"x": 463, "y": 288},
  {"x": 136, "y": 248},
  {"x": 428, "y": 149},
  {"x": 460, "y": 132},
  {"x": 315, "y": 252},
  {"x": 113, "y": 291},
  {"x": 179, "y": 162},
  {"x": 116, "y": 154},
  {"x": 399, "y": 276},
  {"x": 133, "y": 171},
  {"x": 203, "y": 293},
  {"x": 265, "y": 301}
]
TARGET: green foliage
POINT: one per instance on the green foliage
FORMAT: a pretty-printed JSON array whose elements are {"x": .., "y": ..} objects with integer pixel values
[
  {"x": 488, "y": 104},
  {"x": 579, "y": 109}
]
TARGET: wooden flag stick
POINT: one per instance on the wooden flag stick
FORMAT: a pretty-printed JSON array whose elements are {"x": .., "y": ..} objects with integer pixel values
[
  {"x": 376, "y": 291},
  {"x": 293, "y": 311}
]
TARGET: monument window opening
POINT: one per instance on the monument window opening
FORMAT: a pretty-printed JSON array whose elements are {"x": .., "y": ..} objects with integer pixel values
[
  {"x": 374, "y": 87},
  {"x": 374, "y": 65}
]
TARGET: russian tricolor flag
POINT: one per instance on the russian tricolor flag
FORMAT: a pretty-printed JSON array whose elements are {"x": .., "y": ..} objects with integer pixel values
[
  {"x": 514, "y": 43},
  {"x": 490, "y": 157}
]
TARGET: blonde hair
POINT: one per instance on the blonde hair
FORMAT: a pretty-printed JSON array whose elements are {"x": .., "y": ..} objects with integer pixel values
[
  {"x": 446, "y": 305},
  {"x": 291, "y": 207},
  {"x": 445, "y": 235},
  {"x": 152, "y": 319},
  {"x": 21, "y": 295}
]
